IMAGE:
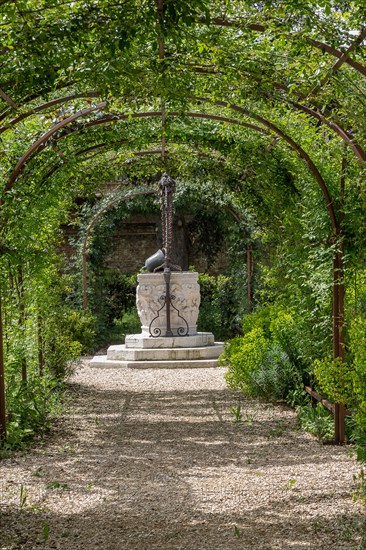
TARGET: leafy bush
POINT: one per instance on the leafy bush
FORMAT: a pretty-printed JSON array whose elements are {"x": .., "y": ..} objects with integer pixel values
[
  {"x": 345, "y": 382},
  {"x": 43, "y": 338},
  {"x": 276, "y": 376},
  {"x": 114, "y": 296},
  {"x": 263, "y": 361},
  {"x": 218, "y": 309},
  {"x": 208, "y": 231},
  {"x": 357, "y": 334},
  {"x": 282, "y": 327},
  {"x": 129, "y": 324},
  {"x": 244, "y": 355},
  {"x": 31, "y": 407},
  {"x": 259, "y": 319},
  {"x": 357, "y": 436},
  {"x": 60, "y": 347},
  {"x": 297, "y": 397},
  {"x": 316, "y": 420},
  {"x": 259, "y": 366},
  {"x": 358, "y": 349},
  {"x": 359, "y": 493},
  {"x": 335, "y": 378},
  {"x": 81, "y": 328},
  {"x": 120, "y": 292}
]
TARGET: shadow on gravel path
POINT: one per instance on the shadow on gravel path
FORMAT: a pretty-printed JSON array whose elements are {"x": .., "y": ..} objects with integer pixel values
[{"x": 154, "y": 460}]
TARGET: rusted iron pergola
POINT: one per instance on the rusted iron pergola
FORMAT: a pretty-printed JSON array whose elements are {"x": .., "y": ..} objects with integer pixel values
[{"x": 200, "y": 108}]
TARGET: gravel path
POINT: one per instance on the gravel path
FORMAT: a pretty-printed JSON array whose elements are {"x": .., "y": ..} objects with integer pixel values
[{"x": 153, "y": 460}]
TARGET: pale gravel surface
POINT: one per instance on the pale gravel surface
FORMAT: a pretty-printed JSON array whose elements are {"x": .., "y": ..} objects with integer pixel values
[{"x": 153, "y": 460}]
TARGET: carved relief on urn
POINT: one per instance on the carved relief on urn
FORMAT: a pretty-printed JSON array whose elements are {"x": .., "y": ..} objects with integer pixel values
[{"x": 185, "y": 300}]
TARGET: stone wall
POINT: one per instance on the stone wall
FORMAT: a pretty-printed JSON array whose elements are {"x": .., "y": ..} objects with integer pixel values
[
  {"x": 139, "y": 237},
  {"x": 133, "y": 242}
]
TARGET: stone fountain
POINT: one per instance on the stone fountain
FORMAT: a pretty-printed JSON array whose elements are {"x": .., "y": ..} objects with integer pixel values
[{"x": 167, "y": 302}]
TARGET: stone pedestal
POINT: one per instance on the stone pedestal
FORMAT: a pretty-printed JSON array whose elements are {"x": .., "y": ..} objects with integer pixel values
[
  {"x": 185, "y": 302},
  {"x": 195, "y": 349}
]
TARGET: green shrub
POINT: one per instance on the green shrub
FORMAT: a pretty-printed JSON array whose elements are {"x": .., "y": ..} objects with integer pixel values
[
  {"x": 357, "y": 436},
  {"x": 297, "y": 397},
  {"x": 335, "y": 379},
  {"x": 316, "y": 420},
  {"x": 259, "y": 367},
  {"x": 281, "y": 327},
  {"x": 120, "y": 292},
  {"x": 42, "y": 343},
  {"x": 114, "y": 296},
  {"x": 345, "y": 382},
  {"x": 244, "y": 355},
  {"x": 218, "y": 309},
  {"x": 31, "y": 407},
  {"x": 259, "y": 319},
  {"x": 276, "y": 375},
  {"x": 286, "y": 331},
  {"x": 357, "y": 336},
  {"x": 359, "y": 493},
  {"x": 257, "y": 362},
  {"x": 358, "y": 349},
  {"x": 61, "y": 350},
  {"x": 81, "y": 328},
  {"x": 129, "y": 324}
]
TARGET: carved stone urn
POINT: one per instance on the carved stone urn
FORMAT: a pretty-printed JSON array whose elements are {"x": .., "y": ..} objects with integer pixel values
[{"x": 184, "y": 303}]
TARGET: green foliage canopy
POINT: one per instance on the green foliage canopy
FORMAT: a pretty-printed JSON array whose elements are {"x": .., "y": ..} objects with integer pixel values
[{"x": 264, "y": 100}]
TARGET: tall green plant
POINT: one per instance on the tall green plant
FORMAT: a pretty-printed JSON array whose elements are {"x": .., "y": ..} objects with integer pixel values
[{"x": 257, "y": 362}]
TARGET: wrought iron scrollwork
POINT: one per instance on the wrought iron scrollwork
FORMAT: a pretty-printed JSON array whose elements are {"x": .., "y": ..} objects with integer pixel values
[
  {"x": 181, "y": 331},
  {"x": 156, "y": 332}
]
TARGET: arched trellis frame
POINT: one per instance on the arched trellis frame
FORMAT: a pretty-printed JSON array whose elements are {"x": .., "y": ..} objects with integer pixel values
[
  {"x": 299, "y": 99},
  {"x": 338, "y": 301}
]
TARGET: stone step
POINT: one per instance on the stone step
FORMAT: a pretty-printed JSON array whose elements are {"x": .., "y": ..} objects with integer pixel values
[
  {"x": 101, "y": 361},
  {"x": 122, "y": 353},
  {"x": 144, "y": 341}
]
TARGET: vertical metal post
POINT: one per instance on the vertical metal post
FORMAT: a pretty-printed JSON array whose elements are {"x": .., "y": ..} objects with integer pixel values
[
  {"x": 2, "y": 380},
  {"x": 167, "y": 214},
  {"x": 338, "y": 338},
  {"x": 338, "y": 305},
  {"x": 21, "y": 320},
  {"x": 167, "y": 188},
  {"x": 40, "y": 344},
  {"x": 167, "y": 274},
  {"x": 85, "y": 301},
  {"x": 168, "y": 226},
  {"x": 336, "y": 343},
  {"x": 249, "y": 278},
  {"x": 335, "y": 306}
]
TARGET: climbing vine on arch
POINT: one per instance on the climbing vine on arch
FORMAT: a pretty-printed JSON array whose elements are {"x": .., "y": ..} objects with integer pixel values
[{"x": 88, "y": 92}]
